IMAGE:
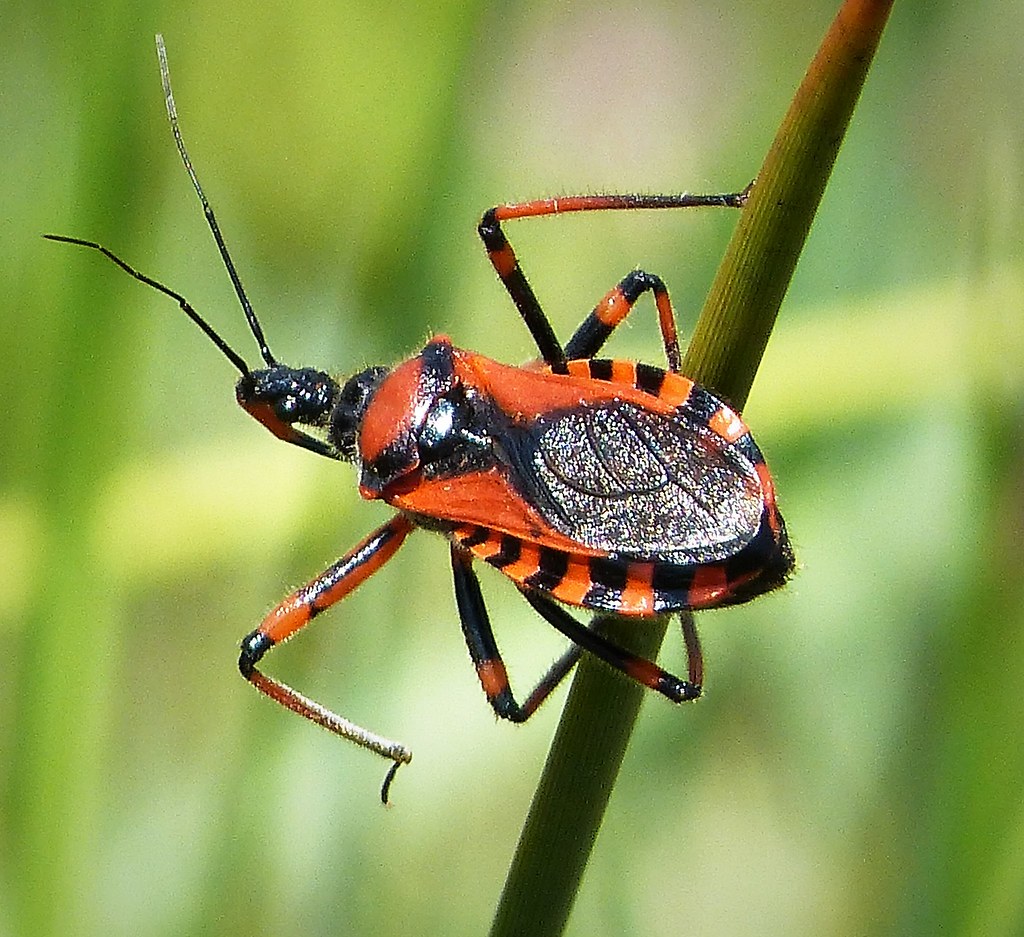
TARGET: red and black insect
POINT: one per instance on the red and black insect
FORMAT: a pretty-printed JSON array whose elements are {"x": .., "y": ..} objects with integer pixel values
[{"x": 591, "y": 483}]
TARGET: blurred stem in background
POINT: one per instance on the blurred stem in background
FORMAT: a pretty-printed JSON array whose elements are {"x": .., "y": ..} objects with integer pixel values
[{"x": 74, "y": 429}]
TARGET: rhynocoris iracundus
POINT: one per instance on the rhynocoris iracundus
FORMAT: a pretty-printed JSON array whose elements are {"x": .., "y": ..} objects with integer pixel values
[{"x": 599, "y": 484}]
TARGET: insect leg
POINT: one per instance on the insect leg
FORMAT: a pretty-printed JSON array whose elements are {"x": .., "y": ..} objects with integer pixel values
[
  {"x": 483, "y": 649},
  {"x": 594, "y": 331},
  {"x": 694, "y": 655},
  {"x": 506, "y": 264},
  {"x": 299, "y": 609},
  {"x": 632, "y": 665}
]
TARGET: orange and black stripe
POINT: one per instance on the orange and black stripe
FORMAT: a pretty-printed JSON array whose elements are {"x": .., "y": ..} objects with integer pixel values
[
  {"x": 632, "y": 587},
  {"x": 609, "y": 313}
]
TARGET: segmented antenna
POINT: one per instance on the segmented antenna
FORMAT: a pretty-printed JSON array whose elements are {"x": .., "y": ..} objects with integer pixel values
[{"x": 211, "y": 220}]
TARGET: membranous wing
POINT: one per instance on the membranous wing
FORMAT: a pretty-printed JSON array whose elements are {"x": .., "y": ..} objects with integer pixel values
[{"x": 642, "y": 484}]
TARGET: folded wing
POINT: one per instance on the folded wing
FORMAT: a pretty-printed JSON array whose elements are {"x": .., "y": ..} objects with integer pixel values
[{"x": 643, "y": 484}]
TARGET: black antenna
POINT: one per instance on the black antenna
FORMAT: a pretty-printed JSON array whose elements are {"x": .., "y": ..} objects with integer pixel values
[
  {"x": 237, "y": 360},
  {"x": 254, "y": 325}
]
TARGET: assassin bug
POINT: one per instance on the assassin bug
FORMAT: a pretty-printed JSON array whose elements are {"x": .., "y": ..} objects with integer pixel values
[{"x": 599, "y": 484}]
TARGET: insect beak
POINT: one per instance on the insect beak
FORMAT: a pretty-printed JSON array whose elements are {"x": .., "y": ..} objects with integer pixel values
[{"x": 279, "y": 397}]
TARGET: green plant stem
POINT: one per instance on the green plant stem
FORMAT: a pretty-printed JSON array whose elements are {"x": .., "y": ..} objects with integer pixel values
[
  {"x": 726, "y": 348},
  {"x": 738, "y": 315},
  {"x": 574, "y": 788}
]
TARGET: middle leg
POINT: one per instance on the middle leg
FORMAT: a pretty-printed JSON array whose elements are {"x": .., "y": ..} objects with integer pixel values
[
  {"x": 609, "y": 313},
  {"x": 483, "y": 648}
]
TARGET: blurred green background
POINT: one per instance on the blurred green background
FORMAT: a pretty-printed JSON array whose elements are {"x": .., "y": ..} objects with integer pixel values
[{"x": 856, "y": 766}]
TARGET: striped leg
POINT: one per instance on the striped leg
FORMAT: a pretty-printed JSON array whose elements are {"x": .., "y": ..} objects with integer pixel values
[
  {"x": 638, "y": 668},
  {"x": 301, "y": 607},
  {"x": 506, "y": 264},
  {"x": 483, "y": 649},
  {"x": 594, "y": 331}
]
